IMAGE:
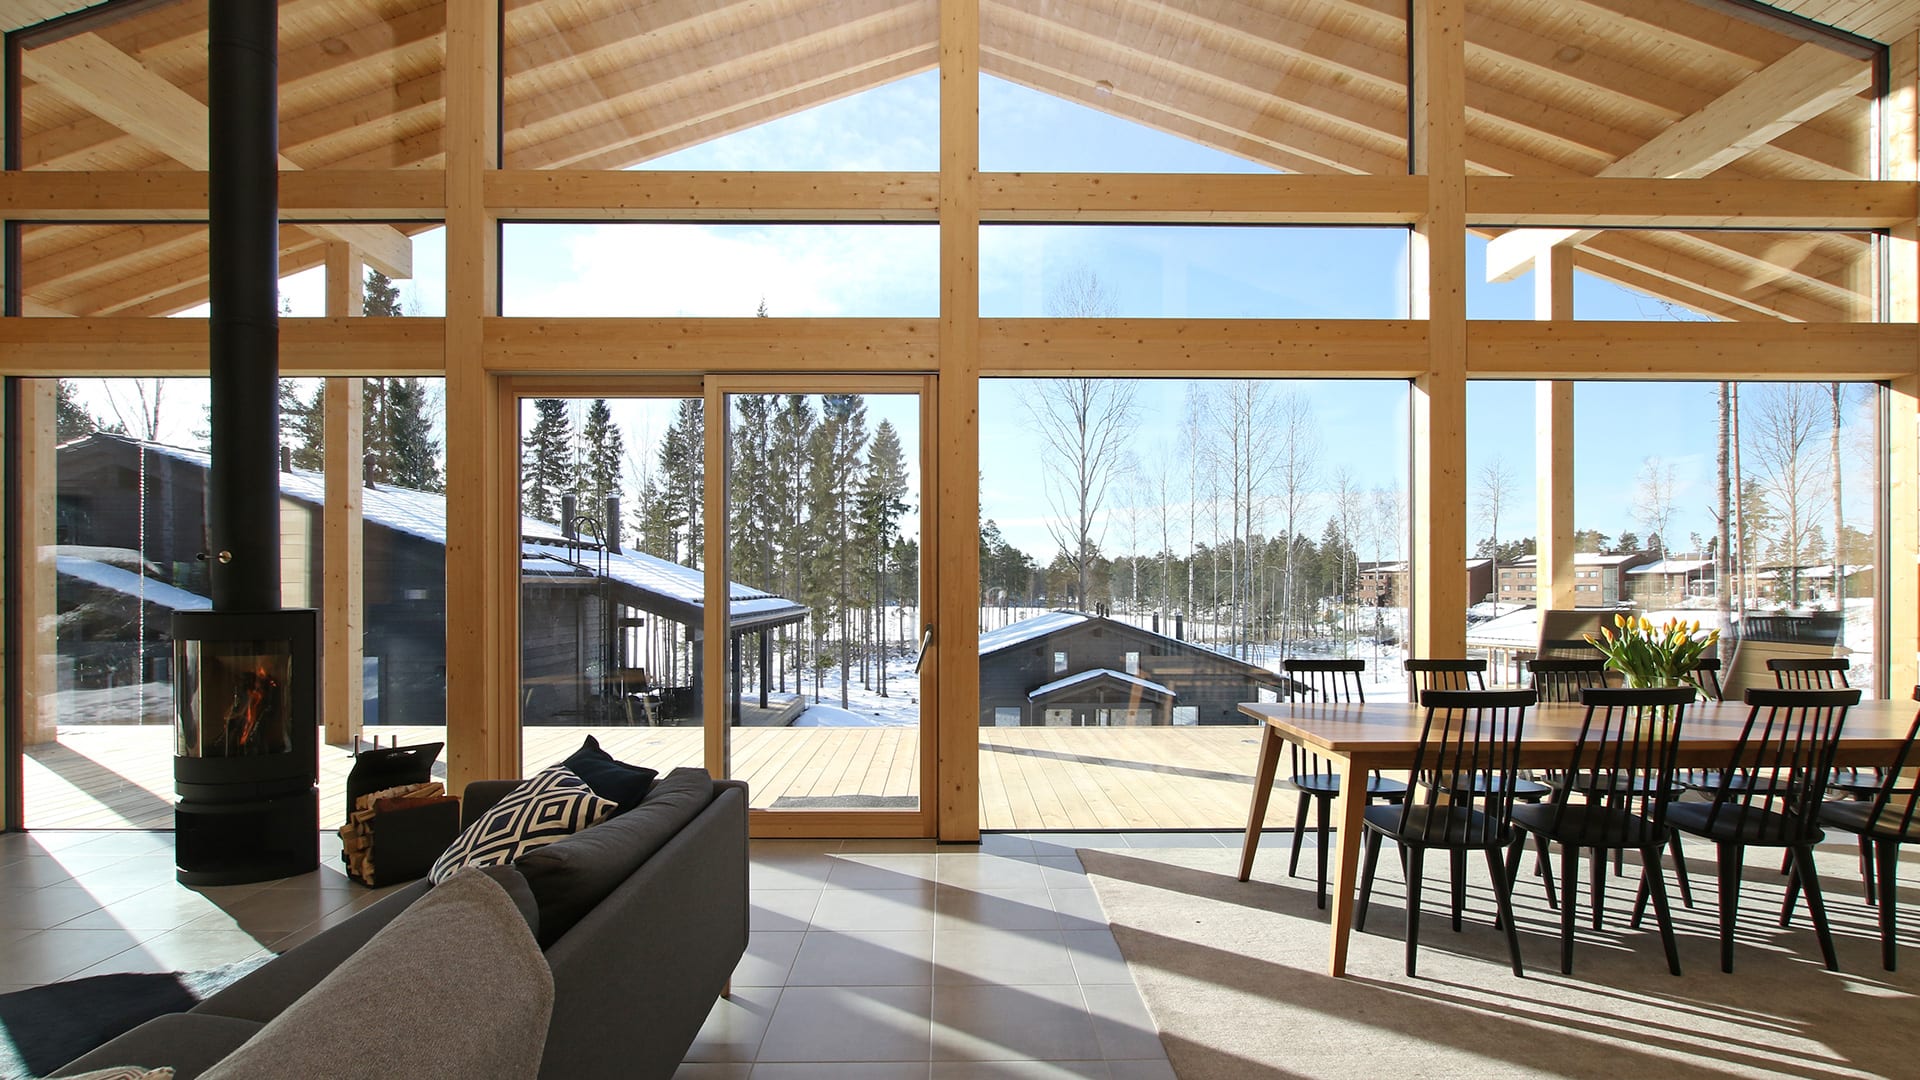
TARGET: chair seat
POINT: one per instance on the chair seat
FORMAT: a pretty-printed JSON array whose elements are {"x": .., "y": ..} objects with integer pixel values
[
  {"x": 1709, "y": 781},
  {"x": 1588, "y": 826},
  {"x": 1852, "y": 816},
  {"x": 1855, "y": 783},
  {"x": 1756, "y": 827},
  {"x": 1524, "y": 790},
  {"x": 1452, "y": 827},
  {"x": 1638, "y": 784},
  {"x": 1328, "y": 785}
]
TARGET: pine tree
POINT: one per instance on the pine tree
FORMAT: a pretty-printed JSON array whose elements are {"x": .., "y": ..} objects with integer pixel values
[
  {"x": 381, "y": 296},
  {"x": 546, "y": 462},
  {"x": 411, "y": 453},
  {"x": 601, "y": 448},
  {"x": 682, "y": 482},
  {"x": 880, "y": 503},
  {"x": 837, "y": 443},
  {"x": 71, "y": 420},
  {"x": 303, "y": 424},
  {"x": 791, "y": 530}
]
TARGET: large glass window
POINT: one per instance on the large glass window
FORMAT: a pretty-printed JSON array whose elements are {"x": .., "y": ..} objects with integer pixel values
[
  {"x": 1271, "y": 272},
  {"x": 792, "y": 85},
  {"x": 117, "y": 519},
  {"x": 160, "y": 269},
  {"x": 1311, "y": 86},
  {"x": 1151, "y": 550},
  {"x": 784, "y": 271}
]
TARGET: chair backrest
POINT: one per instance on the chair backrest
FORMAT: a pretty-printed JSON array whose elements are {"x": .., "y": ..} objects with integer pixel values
[
  {"x": 1803, "y": 673},
  {"x": 1624, "y": 759},
  {"x": 1563, "y": 680},
  {"x": 1772, "y": 787},
  {"x": 1566, "y": 649},
  {"x": 1706, "y": 675},
  {"x": 1327, "y": 680},
  {"x": 1896, "y": 803},
  {"x": 1447, "y": 674},
  {"x": 1467, "y": 761}
]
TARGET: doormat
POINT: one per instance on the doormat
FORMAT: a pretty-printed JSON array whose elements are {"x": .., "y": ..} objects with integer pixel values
[{"x": 847, "y": 802}]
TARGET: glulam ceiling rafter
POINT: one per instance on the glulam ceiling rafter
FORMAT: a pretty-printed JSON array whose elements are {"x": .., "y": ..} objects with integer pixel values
[{"x": 1555, "y": 90}]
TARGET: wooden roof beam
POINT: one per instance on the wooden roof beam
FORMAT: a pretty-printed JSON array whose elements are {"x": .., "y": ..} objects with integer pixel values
[
  {"x": 94, "y": 74},
  {"x": 1801, "y": 85}
]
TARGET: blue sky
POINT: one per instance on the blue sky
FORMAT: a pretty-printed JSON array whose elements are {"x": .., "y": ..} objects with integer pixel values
[{"x": 1198, "y": 271}]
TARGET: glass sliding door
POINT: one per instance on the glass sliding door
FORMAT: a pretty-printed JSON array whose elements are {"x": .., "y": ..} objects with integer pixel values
[
  {"x": 822, "y": 509},
  {"x": 612, "y": 554}
]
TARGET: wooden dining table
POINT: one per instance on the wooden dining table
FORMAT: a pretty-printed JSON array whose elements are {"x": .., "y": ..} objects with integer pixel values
[{"x": 1361, "y": 737}]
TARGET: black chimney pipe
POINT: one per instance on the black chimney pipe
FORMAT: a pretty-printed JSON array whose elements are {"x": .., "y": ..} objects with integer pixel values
[{"x": 243, "y": 503}]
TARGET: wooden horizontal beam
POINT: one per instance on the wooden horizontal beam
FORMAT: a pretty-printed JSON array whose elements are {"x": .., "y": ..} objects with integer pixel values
[
  {"x": 1692, "y": 350},
  {"x": 606, "y": 346},
  {"x": 181, "y": 195},
  {"x": 1281, "y": 348},
  {"x": 1691, "y": 204},
  {"x": 684, "y": 196},
  {"x": 1255, "y": 199},
  {"x": 107, "y": 347}
]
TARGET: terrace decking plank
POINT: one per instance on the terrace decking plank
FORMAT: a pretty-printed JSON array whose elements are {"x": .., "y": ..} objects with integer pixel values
[{"x": 1030, "y": 778}]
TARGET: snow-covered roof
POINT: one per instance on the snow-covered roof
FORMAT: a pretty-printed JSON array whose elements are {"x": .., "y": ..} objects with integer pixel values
[
  {"x": 1513, "y": 630},
  {"x": 1674, "y": 566},
  {"x": 131, "y": 584},
  {"x": 1029, "y": 630},
  {"x": 1095, "y": 675},
  {"x": 657, "y": 585},
  {"x": 1584, "y": 558}
]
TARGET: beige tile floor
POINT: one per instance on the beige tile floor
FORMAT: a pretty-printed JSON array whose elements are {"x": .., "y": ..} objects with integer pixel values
[{"x": 868, "y": 960}]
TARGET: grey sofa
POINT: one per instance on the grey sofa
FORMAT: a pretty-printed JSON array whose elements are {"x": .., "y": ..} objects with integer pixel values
[{"x": 633, "y": 978}]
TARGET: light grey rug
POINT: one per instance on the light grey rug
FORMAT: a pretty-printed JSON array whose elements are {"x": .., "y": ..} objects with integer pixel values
[{"x": 1235, "y": 976}]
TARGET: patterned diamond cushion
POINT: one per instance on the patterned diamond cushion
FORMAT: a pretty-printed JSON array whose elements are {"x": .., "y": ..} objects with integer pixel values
[{"x": 552, "y": 805}]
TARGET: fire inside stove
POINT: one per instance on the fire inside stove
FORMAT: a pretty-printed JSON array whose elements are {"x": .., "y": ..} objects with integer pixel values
[{"x": 234, "y": 698}]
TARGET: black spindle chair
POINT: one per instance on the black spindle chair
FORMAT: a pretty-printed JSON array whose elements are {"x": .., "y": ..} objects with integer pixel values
[
  {"x": 1314, "y": 776},
  {"x": 1830, "y": 673},
  {"x": 1706, "y": 676},
  {"x": 1769, "y": 795},
  {"x": 1465, "y": 674},
  {"x": 1558, "y": 680},
  {"x": 1886, "y": 821},
  {"x": 1613, "y": 797},
  {"x": 1460, "y": 799}
]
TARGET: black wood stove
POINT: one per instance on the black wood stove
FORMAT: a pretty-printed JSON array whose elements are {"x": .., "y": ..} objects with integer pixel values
[{"x": 246, "y": 673}]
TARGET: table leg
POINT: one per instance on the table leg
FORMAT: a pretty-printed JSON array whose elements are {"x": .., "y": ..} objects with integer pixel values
[
  {"x": 1349, "y": 808},
  {"x": 1262, "y": 789}
]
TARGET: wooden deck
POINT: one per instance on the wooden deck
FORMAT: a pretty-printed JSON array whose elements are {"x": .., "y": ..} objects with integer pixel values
[{"x": 1030, "y": 778}]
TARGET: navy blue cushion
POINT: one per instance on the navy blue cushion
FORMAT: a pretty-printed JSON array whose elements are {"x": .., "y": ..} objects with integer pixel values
[{"x": 625, "y": 784}]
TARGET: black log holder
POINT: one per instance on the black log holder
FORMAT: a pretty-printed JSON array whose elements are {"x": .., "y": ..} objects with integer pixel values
[
  {"x": 403, "y": 843},
  {"x": 246, "y": 754}
]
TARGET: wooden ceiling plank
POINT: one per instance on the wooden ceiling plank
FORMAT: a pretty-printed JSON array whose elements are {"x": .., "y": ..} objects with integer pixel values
[
  {"x": 115, "y": 86},
  {"x": 1805, "y": 83},
  {"x": 611, "y": 140}
]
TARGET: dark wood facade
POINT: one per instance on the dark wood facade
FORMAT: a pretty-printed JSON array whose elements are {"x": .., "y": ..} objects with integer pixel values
[{"x": 1209, "y": 684}]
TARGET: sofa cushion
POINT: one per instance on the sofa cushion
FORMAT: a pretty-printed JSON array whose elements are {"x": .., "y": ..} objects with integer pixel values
[
  {"x": 190, "y": 1043},
  {"x": 625, "y": 784},
  {"x": 570, "y": 876},
  {"x": 552, "y": 805},
  {"x": 455, "y": 986}
]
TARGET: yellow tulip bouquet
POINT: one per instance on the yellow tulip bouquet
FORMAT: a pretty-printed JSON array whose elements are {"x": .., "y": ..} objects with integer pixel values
[{"x": 1649, "y": 655}]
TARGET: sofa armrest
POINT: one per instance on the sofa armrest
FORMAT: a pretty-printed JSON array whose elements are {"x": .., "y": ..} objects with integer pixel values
[
  {"x": 262, "y": 995},
  {"x": 480, "y": 797},
  {"x": 661, "y": 946}
]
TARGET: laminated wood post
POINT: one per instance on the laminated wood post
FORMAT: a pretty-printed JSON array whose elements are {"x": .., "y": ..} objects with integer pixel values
[
  {"x": 38, "y": 610},
  {"x": 482, "y": 721},
  {"x": 956, "y": 648},
  {"x": 1553, "y": 445},
  {"x": 1439, "y": 296},
  {"x": 342, "y": 604},
  {"x": 1900, "y": 585}
]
